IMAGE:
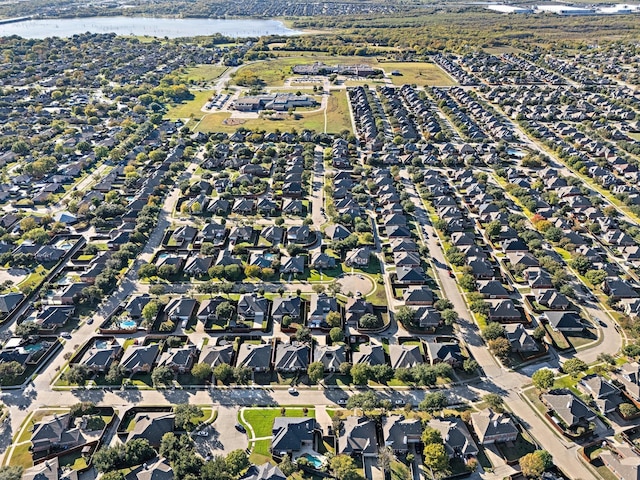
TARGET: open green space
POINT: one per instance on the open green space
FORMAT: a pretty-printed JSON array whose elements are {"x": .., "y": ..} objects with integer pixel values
[
  {"x": 190, "y": 108},
  {"x": 203, "y": 73},
  {"x": 420, "y": 73},
  {"x": 261, "y": 419}
]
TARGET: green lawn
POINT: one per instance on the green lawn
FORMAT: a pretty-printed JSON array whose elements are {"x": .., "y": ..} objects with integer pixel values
[
  {"x": 399, "y": 471},
  {"x": 190, "y": 108},
  {"x": 21, "y": 456},
  {"x": 420, "y": 73},
  {"x": 261, "y": 419},
  {"x": 203, "y": 73}
]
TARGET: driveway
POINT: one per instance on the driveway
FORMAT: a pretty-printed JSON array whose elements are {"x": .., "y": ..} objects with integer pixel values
[{"x": 223, "y": 437}]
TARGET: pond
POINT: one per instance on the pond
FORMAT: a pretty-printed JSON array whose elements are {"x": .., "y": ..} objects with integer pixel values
[{"x": 145, "y": 26}]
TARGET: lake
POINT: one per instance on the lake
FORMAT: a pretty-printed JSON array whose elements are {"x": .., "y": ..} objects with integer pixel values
[{"x": 156, "y": 27}]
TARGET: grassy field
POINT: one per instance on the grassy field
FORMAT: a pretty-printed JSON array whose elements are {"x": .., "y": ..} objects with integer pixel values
[
  {"x": 190, "y": 108},
  {"x": 338, "y": 119},
  {"x": 261, "y": 419},
  {"x": 420, "y": 73},
  {"x": 203, "y": 73}
]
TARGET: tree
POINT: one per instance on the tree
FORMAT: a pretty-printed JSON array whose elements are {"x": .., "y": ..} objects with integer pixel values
[
  {"x": 303, "y": 334},
  {"x": 449, "y": 316},
  {"x": 162, "y": 376},
  {"x": 435, "y": 457},
  {"x": 185, "y": 415},
  {"x": 27, "y": 329},
  {"x": 223, "y": 372},
  {"x": 543, "y": 379},
  {"x": 315, "y": 371},
  {"x": 336, "y": 334},
  {"x": 76, "y": 375},
  {"x": 539, "y": 333},
  {"x": 334, "y": 319},
  {"x": 365, "y": 400},
  {"x": 82, "y": 408},
  {"x": 360, "y": 373},
  {"x": 343, "y": 467},
  {"x": 9, "y": 372},
  {"x": 286, "y": 466},
  {"x": 10, "y": 473},
  {"x": 165, "y": 271},
  {"x": 627, "y": 409},
  {"x": 535, "y": 463},
  {"x": 467, "y": 282},
  {"x": 596, "y": 277},
  {"x": 500, "y": 347},
  {"x": 433, "y": 401},
  {"x": 385, "y": 457},
  {"x": 431, "y": 435},
  {"x": 470, "y": 365},
  {"x": 150, "y": 311},
  {"x": 237, "y": 461},
  {"x": 405, "y": 315},
  {"x": 147, "y": 270},
  {"x": 493, "y": 228},
  {"x": 224, "y": 311},
  {"x": 492, "y": 331},
  {"x": 201, "y": 371},
  {"x": 607, "y": 358},
  {"x": 242, "y": 375},
  {"x": 574, "y": 366},
  {"x": 370, "y": 321},
  {"x": 494, "y": 401},
  {"x": 115, "y": 374}
]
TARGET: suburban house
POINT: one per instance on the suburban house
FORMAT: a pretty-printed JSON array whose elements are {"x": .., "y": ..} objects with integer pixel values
[
  {"x": 320, "y": 306},
  {"x": 179, "y": 359},
  {"x": 492, "y": 427},
  {"x": 568, "y": 408},
  {"x": 266, "y": 471},
  {"x": 181, "y": 309},
  {"x": 565, "y": 321},
  {"x": 152, "y": 426},
  {"x": 158, "y": 468},
  {"x": 292, "y": 434},
  {"x": 358, "y": 257},
  {"x": 405, "y": 356},
  {"x": 55, "y": 432},
  {"x": 256, "y": 357},
  {"x": 418, "y": 295},
  {"x": 331, "y": 356},
  {"x": 369, "y": 354},
  {"x": 520, "y": 339},
  {"x": 140, "y": 358},
  {"x": 286, "y": 306},
  {"x": 292, "y": 357},
  {"x": 214, "y": 355},
  {"x": 448, "y": 352},
  {"x": 358, "y": 437},
  {"x": 400, "y": 433},
  {"x": 629, "y": 377},
  {"x": 458, "y": 442},
  {"x": 623, "y": 461},
  {"x": 101, "y": 355},
  {"x": 252, "y": 308},
  {"x": 604, "y": 394}
]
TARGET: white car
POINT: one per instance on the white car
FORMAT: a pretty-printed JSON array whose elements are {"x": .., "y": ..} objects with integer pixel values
[
  {"x": 292, "y": 390},
  {"x": 203, "y": 433}
]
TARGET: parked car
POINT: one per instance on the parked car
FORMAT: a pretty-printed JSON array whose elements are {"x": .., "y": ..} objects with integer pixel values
[{"x": 240, "y": 428}]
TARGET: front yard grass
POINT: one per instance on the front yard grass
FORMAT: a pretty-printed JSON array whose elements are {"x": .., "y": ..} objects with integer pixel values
[{"x": 261, "y": 419}]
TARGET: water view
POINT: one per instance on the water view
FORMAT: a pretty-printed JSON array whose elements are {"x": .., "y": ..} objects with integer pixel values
[{"x": 156, "y": 27}]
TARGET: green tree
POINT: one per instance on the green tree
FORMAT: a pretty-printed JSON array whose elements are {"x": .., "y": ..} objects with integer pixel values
[
  {"x": 115, "y": 374},
  {"x": 596, "y": 277},
  {"x": 493, "y": 229},
  {"x": 533, "y": 464},
  {"x": 370, "y": 321},
  {"x": 334, "y": 319},
  {"x": 433, "y": 401},
  {"x": 360, "y": 373},
  {"x": 27, "y": 329},
  {"x": 162, "y": 376},
  {"x": 315, "y": 371},
  {"x": 435, "y": 457},
  {"x": 186, "y": 416},
  {"x": 150, "y": 311},
  {"x": 242, "y": 375},
  {"x": 336, "y": 334},
  {"x": 286, "y": 466},
  {"x": 405, "y": 315},
  {"x": 574, "y": 366},
  {"x": 365, "y": 400},
  {"x": 9, "y": 372},
  {"x": 303, "y": 334},
  {"x": 343, "y": 467},
  {"x": 201, "y": 371},
  {"x": 627, "y": 409},
  {"x": 494, "y": 401},
  {"x": 76, "y": 375},
  {"x": 10, "y": 472},
  {"x": 500, "y": 347},
  {"x": 147, "y": 270},
  {"x": 223, "y": 372},
  {"x": 543, "y": 379},
  {"x": 237, "y": 461},
  {"x": 431, "y": 435},
  {"x": 492, "y": 331}
]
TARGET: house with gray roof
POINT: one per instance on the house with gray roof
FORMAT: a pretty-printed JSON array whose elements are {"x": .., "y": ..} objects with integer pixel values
[
  {"x": 256, "y": 357},
  {"x": 101, "y": 355},
  {"x": 369, "y": 354},
  {"x": 214, "y": 355},
  {"x": 623, "y": 461},
  {"x": 319, "y": 307},
  {"x": 492, "y": 427},
  {"x": 419, "y": 295},
  {"x": 458, "y": 442},
  {"x": 286, "y": 306},
  {"x": 405, "y": 356},
  {"x": 140, "y": 358},
  {"x": 565, "y": 321},
  {"x": 446, "y": 352},
  {"x": 47, "y": 470},
  {"x": 291, "y": 434},
  {"x": 8, "y": 302},
  {"x": 399, "y": 432},
  {"x": 266, "y": 471},
  {"x": 292, "y": 357},
  {"x": 358, "y": 437},
  {"x": 55, "y": 432},
  {"x": 568, "y": 408},
  {"x": 152, "y": 426},
  {"x": 179, "y": 359},
  {"x": 604, "y": 394},
  {"x": 503, "y": 311},
  {"x": 629, "y": 377},
  {"x": 158, "y": 468},
  {"x": 331, "y": 356},
  {"x": 519, "y": 338},
  {"x": 252, "y": 308}
]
